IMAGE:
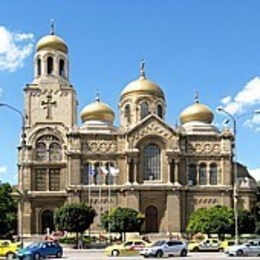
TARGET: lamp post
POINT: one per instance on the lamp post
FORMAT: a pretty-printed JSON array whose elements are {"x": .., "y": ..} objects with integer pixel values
[
  {"x": 23, "y": 143},
  {"x": 235, "y": 182}
]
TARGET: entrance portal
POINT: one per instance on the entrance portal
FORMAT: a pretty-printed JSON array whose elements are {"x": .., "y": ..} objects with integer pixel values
[
  {"x": 151, "y": 219},
  {"x": 47, "y": 221}
]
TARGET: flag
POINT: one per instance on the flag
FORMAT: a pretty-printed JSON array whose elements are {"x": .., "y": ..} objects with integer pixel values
[
  {"x": 103, "y": 170},
  {"x": 91, "y": 170},
  {"x": 113, "y": 171}
]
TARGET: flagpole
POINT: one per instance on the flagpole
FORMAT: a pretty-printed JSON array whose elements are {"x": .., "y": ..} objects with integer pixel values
[
  {"x": 100, "y": 201},
  {"x": 109, "y": 202}
]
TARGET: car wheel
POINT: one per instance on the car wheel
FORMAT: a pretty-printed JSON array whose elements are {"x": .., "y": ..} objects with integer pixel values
[
  {"x": 10, "y": 256},
  {"x": 184, "y": 252},
  {"x": 240, "y": 253},
  {"x": 115, "y": 253},
  {"x": 59, "y": 255},
  {"x": 221, "y": 249},
  {"x": 37, "y": 256},
  {"x": 159, "y": 253}
]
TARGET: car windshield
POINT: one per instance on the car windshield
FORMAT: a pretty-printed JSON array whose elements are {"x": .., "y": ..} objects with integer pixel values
[
  {"x": 33, "y": 245},
  {"x": 159, "y": 243}
]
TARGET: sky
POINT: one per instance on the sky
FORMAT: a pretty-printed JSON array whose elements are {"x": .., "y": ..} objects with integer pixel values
[{"x": 206, "y": 46}]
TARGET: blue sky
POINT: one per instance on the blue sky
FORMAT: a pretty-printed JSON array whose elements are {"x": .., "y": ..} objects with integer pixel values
[{"x": 208, "y": 46}]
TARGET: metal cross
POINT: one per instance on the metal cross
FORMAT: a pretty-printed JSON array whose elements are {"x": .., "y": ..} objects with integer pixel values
[{"x": 48, "y": 105}]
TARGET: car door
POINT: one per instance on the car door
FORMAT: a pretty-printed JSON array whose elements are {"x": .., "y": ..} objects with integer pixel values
[
  {"x": 214, "y": 245},
  {"x": 1, "y": 249},
  {"x": 128, "y": 248},
  {"x": 138, "y": 245},
  {"x": 169, "y": 248}
]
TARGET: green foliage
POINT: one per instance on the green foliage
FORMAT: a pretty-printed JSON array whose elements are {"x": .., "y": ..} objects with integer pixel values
[
  {"x": 246, "y": 222},
  {"x": 213, "y": 220},
  {"x": 8, "y": 211},
  {"x": 122, "y": 220},
  {"x": 220, "y": 220},
  {"x": 74, "y": 217}
]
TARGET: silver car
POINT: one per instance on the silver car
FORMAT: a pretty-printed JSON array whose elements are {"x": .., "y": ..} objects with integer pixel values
[
  {"x": 247, "y": 249},
  {"x": 165, "y": 248}
]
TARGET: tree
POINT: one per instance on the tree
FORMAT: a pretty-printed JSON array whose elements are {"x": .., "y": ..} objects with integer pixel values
[
  {"x": 214, "y": 220},
  {"x": 246, "y": 222},
  {"x": 74, "y": 218},
  {"x": 8, "y": 211},
  {"x": 122, "y": 220}
]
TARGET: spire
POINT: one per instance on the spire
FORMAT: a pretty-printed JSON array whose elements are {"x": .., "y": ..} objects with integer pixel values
[
  {"x": 97, "y": 95},
  {"x": 142, "y": 72},
  {"x": 52, "y": 27},
  {"x": 196, "y": 98}
]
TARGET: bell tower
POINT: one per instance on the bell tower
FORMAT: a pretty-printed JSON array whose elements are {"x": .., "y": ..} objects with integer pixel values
[{"x": 51, "y": 98}]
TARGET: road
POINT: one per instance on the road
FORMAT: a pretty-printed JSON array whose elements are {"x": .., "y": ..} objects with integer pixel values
[{"x": 99, "y": 255}]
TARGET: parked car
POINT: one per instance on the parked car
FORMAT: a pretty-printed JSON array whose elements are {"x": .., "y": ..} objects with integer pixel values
[
  {"x": 8, "y": 249},
  {"x": 40, "y": 250},
  {"x": 211, "y": 244},
  {"x": 128, "y": 248},
  {"x": 250, "y": 248},
  {"x": 165, "y": 248}
]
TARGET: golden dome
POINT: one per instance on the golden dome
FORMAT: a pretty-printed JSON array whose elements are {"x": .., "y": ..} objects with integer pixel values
[
  {"x": 97, "y": 111},
  {"x": 197, "y": 112},
  {"x": 52, "y": 41},
  {"x": 142, "y": 86}
]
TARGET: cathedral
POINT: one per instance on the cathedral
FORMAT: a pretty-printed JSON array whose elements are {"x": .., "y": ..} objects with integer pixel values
[{"x": 165, "y": 172}]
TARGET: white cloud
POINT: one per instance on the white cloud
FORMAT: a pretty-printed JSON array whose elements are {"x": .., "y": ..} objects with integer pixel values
[
  {"x": 247, "y": 98},
  {"x": 255, "y": 173},
  {"x": 3, "y": 169},
  {"x": 14, "y": 49}
]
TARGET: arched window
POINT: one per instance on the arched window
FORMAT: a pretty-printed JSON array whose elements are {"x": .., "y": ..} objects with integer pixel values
[
  {"x": 128, "y": 113},
  {"x": 39, "y": 67},
  {"x": 49, "y": 65},
  {"x": 213, "y": 174},
  {"x": 152, "y": 162},
  {"x": 62, "y": 68},
  {"x": 160, "y": 111},
  {"x": 202, "y": 174},
  {"x": 144, "y": 110},
  {"x": 41, "y": 153},
  {"x": 55, "y": 152},
  {"x": 192, "y": 175}
]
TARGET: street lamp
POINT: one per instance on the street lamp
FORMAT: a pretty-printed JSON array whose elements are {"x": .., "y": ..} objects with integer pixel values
[
  {"x": 235, "y": 183},
  {"x": 23, "y": 143}
]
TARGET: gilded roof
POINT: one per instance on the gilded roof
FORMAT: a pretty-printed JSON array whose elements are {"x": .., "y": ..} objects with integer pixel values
[
  {"x": 52, "y": 41},
  {"x": 97, "y": 111}
]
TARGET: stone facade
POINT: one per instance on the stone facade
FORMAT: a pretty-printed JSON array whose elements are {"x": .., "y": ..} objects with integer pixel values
[{"x": 164, "y": 171}]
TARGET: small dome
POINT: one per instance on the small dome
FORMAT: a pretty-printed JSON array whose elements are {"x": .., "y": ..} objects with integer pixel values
[
  {"x": 142, "y": 86},
  {"x": 52, "y": 42},
  {"x": 197, "y": 112},
  {"x": 97, "y": 111}
]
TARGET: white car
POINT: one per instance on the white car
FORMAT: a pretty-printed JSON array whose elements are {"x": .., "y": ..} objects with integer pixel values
[
  {"x": 163, "y": 248},
  {"x": 247, "y": 249}
]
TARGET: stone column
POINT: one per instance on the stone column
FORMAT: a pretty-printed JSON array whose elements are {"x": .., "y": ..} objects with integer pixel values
[
  {"x": 174, "y": 211},
  {"x": 169, "y": 171},
  {"x": 128, "y": 171},
  {"x": 135, "y": 171},
  {"x": 176, "y": 172}
]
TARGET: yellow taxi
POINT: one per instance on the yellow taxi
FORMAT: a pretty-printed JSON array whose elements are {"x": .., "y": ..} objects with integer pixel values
[
  {"x": 8, "y": 249},
  {"x": 210, "y": 244},
  {"x": 127, "y": 248}
]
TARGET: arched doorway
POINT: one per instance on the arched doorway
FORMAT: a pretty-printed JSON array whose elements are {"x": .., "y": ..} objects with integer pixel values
[
  {"x": 47, "y": 221},
  {"x": 151, "y": 219}
]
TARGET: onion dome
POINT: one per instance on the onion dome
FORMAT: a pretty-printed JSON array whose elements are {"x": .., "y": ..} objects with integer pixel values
[
  {"x": 142, "y": 86},
  {"x": 52, "y": 41},
  {"x": 197, "y": 112},
  {"x": 97, "y": 111}
]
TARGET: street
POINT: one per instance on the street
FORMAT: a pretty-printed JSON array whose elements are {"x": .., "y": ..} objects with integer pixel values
[{"x": 84, "y": 254}]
